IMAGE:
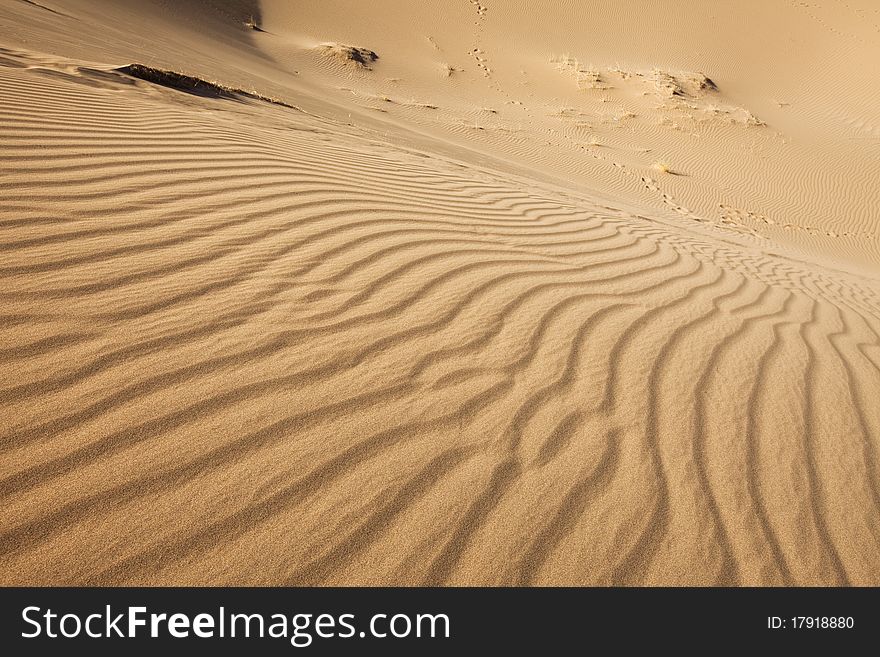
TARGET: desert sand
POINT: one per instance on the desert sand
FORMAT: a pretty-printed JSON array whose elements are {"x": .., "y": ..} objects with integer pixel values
[{"x": 474, "y": 292}]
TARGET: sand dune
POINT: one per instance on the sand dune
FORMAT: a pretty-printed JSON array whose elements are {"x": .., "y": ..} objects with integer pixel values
[{"x": 407, "y": 332}]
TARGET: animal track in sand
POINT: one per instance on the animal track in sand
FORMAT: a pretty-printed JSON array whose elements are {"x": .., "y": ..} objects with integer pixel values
[
  {"x": 669, "y": 200},
  {"x": 737, "y": 216},
  {"x": 477, "y": 53}
]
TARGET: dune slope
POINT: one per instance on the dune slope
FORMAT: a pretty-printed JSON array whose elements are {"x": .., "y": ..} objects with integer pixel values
[{"x": 308, "y": 342}]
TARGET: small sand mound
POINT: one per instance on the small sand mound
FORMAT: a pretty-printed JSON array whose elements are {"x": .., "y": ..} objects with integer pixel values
[
  {"x": 696, "y": 84},
  {"x": 362, "y": 57},
  {"x": 682, "y": 85},
  {"x": 586, "y": 77}
]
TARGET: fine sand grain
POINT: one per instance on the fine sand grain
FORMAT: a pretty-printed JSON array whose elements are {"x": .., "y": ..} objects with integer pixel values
[{"x": 439, "y": 293}]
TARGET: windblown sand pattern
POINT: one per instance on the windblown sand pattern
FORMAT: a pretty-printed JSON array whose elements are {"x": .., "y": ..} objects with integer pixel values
[{"x": 245, "y": 344}]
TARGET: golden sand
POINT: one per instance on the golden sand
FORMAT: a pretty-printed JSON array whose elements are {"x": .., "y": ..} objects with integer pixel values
[{"x": 544, "y": 293}]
